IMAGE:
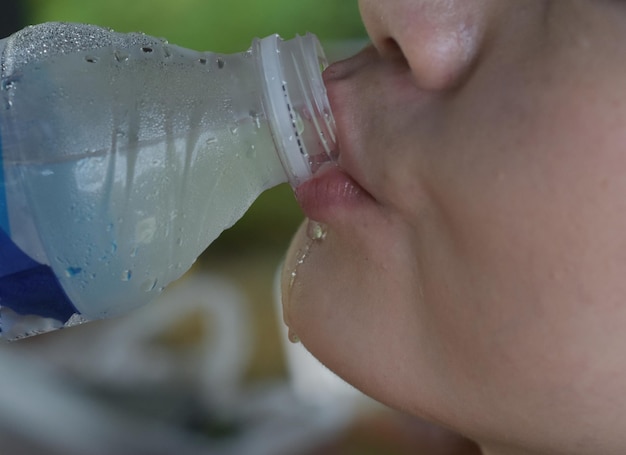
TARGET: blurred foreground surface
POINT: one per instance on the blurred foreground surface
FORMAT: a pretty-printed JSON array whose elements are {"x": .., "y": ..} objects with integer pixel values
[{"x": 204, "y": 370}]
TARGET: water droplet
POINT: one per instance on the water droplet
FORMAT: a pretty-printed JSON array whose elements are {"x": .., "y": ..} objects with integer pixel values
[
  {"x": 234, "y": 129},
  {"x": 90, "y": 59},
  {"x": 256, "y": 118},
  {"x": 109, "y": 227},
  {"x": 145, "y": 230},
  {"x": 149, "y": 284},
  {"x": 47, "y": 172},
  {"x": 299, "y": 124},
  {"x": 301, "y": 256},
  {"x": 315, "y": 230},
  {"x": 127, "y": 275},
  {"x": 72, "y": 271},
  {"x": 292, "y": 278},
  {"x": 113, "y": 247},
  {"x": 202, "y": 61},
  {"x": 120, "y": 56},
  {"x": 220, "y": 63},
  {"x": 293, "y": 337},
  {"x": 133, "y": 253},
  {"x": 211, "y": 140},
  {"x": 147, "y": 49},
  {"x": 180, "y": 241}
]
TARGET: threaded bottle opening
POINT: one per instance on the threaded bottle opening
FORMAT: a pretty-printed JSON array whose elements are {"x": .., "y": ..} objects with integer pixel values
[{"x": 297, "y": 105}]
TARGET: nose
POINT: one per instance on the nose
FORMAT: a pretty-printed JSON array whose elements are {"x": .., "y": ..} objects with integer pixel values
[{"x": 438, "y": 39}]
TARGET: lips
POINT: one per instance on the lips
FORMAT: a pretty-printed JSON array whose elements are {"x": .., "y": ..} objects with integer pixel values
[
  {"x": 334, "y": 189},
  {"x": 331, "y": 191}
]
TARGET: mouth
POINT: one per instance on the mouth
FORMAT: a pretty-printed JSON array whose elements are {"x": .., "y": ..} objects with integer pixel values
[{"x": 329, "y": 193}]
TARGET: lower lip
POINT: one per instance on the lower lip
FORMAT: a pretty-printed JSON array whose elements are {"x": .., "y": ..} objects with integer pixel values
[{"x": 329, "y": 191}]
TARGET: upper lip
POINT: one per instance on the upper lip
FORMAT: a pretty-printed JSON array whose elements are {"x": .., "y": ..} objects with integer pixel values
[{"x": 338, "y": 85}]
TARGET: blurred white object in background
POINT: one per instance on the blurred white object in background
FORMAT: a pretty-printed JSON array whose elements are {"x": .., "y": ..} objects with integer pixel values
[{"x": 133, "y": 385}]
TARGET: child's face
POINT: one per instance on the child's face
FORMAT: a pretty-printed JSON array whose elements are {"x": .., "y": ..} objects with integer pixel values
[{"x": 473, "y": 269}]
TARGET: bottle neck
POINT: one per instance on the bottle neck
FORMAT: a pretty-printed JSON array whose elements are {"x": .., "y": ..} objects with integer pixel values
[{"x": 296, "y": 103}]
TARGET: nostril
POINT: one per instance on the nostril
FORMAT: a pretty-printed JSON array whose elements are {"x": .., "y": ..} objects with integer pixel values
[
  {"x": 438, "y": 40},
  {"x": 390, "y": 48}
]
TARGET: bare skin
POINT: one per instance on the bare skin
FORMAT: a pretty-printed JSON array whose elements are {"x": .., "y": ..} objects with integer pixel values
[{"x": 473, "y": 265}]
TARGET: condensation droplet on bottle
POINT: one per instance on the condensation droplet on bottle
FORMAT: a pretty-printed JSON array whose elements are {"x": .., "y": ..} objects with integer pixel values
[
  {"x": 220, "y": 63},
  {"x": 127, "y": 275},
  {"x": 149, "y": 285},
  {"x": 234, "y": 129},
  {"x": 256, "y": 118},
  {"x": 299, "y": 124},
  {"x": 120, "y": 56},
  {"x": 72, "y": 271}
]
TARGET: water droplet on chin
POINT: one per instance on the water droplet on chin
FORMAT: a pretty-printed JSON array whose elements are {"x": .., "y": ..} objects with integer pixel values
[
  {"x": 293, "y": 337},
  {"x": 315, "y": 230}
]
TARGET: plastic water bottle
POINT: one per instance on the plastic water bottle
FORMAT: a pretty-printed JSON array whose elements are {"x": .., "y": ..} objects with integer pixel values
[{"x": 123, "y": 157}]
